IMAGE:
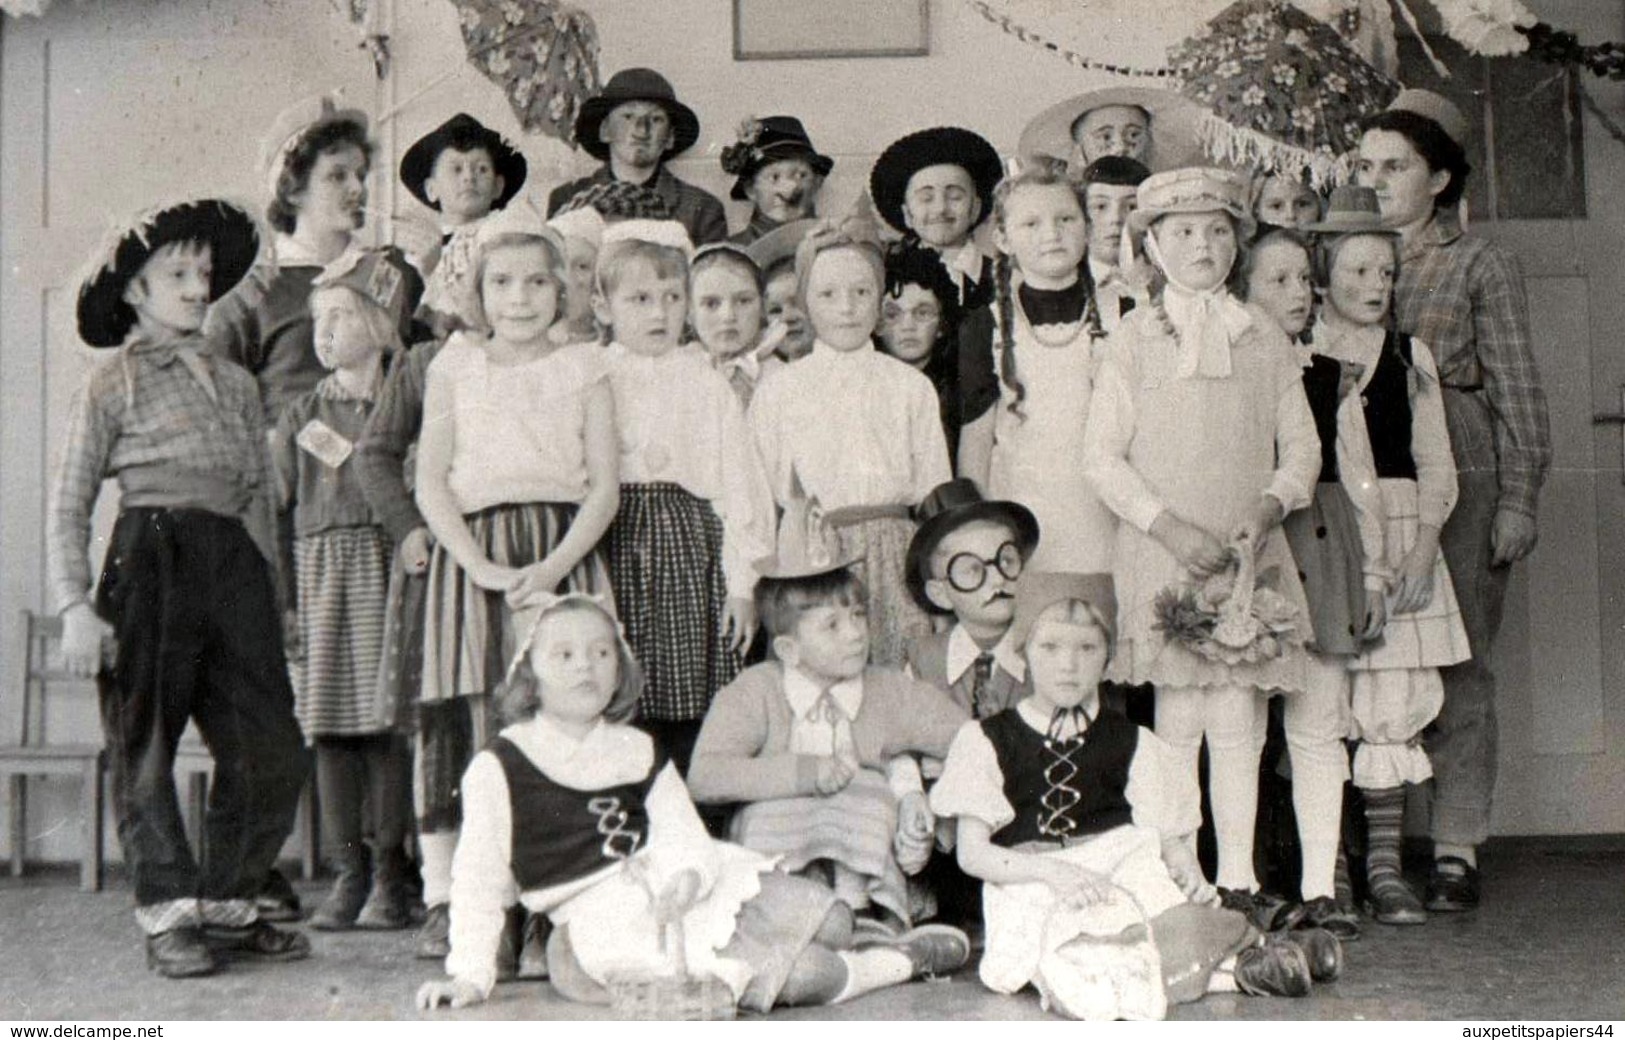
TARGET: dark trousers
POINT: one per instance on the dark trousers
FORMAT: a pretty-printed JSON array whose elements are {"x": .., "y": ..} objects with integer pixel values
[{"x": 199, "y": 638}]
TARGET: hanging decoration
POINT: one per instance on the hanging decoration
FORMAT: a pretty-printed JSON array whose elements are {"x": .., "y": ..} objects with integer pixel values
[
  {"x": 1556, "y": 47},
  {"x": 1010, "y": 27},
  {"x": 1284, "y": 93},
  {"x": 542, "y": 53},
  {"x": 1491, "y": 28}
]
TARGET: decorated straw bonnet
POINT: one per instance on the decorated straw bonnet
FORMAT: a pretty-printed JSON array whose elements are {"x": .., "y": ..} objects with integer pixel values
[
  {"x": 767, "y": 140},
  {"x": 417, "y": 165},
  {"x": 1351, "y": 210},
  {"x": 937, "y": 146},
  {"x": 949, "y": 507},
  {"x": 1173, "y": 122},
  {"x": 291, "y": 126},
  {"x": 1193, "y": 189},
  {"x": 636, "y": 84},
  {"x": 234, "y": 243}
]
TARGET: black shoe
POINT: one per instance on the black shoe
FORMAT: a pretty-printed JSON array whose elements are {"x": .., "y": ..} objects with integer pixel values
[
  {"x": 1324, "y": 912},
  {"x": 1277, "y": 969},
  {"x": 180, "y": 953},
  {"x": 434, "y": 938},
  {"x": 1395, "y": 903},
  {"x": 1453, "y": 888},
  {"x": 277, "y": 900},
  {"x": 1320, "y": 948},
  {"x": 1266, "y": 912},
  {"x": 262, "y": 940},
  {"x": 343, "y": 904}
]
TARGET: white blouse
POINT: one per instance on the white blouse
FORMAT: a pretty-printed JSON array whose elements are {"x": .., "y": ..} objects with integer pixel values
[
  {"x": 679, "y": 420},
  {"x": 520, "y": 430},
  {"x": 855, "y": 428}
]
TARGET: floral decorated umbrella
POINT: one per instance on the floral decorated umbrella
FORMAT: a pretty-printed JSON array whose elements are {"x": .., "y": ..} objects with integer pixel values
[
  {"x": 542, "y": 53},
  {"x": 1283, "y": 91}
]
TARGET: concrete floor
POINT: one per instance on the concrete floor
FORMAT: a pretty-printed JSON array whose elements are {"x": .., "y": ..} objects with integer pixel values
[{"x": 1546, "y": 945}]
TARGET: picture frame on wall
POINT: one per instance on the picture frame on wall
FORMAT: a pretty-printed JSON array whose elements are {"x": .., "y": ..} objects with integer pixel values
[{"x": 771, "y": 30}]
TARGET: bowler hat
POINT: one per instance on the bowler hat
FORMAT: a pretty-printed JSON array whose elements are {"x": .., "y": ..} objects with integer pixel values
[
  {"x": 767, "y": 140},
  {"x": 465, "y": 133},
  {"x": 234, "y": 243},
  {"x": 636, "y": 84},
  {"x": 937, "y": 146},
  {"x": 949, "y": 507}
]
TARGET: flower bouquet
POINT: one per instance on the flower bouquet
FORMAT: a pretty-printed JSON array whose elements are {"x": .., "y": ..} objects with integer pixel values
[{"x": 1237, "y": 616}]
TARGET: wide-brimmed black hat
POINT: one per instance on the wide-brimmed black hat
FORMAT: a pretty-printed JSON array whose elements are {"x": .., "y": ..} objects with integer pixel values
[
  {"x": 767, "y": 140},
  {"x": 949, "y": 507},
  {"x": 465, "y": 133},
  {"x": 234, "y": 243},
  {"x": 636, "y": 85},
  {"x": 938, "y": 146}
]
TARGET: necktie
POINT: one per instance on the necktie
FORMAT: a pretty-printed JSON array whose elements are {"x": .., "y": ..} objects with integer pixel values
[{"x": 981, "y": 674}]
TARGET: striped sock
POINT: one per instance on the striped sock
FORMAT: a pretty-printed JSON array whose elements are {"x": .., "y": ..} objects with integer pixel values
[{"x": 1384, "y": 817}]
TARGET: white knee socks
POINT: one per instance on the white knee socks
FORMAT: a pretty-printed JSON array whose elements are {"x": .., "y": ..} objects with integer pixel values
[
  {"x": 436, "y": 850},
  {"x": 874, "y": 968}
]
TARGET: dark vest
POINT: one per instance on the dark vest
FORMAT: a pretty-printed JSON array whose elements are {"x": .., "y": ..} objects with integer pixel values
[
  {"x": 561, "y": 834},
  {"x": 1387, "y": 403},
  {"x": 1102, "y": 759},
  {"x": 1320, "y": 385}
]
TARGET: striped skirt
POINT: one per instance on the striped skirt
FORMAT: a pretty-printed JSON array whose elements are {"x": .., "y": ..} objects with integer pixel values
[
  {"x": 468, "y": 632},
  {"x": 343, "y": 577},
  {"x": 665, "y": 562}
]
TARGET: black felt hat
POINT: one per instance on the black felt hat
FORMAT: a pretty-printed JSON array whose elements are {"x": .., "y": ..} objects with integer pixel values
[
  {"x": 234, "y": 243},
  {"x": 465, "y": 133},
  {"x": 949, "y": 507},
  {"x": 938, "y": 146},
  {"x": 636, "y": 85},
  {"x": 767, "y": 140}
]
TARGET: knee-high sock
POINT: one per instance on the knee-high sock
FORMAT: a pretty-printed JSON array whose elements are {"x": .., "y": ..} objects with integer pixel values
[
  {"x": 1235, "y": 719},
  {"x": 436, "y": 850},
  {"x": 1316, "y": 723},
  {"x": 1385, "y": 815},
  {"x": 874, "y": 968}
]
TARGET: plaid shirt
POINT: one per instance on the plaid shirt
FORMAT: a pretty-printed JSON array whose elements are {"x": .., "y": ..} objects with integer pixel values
[
  {"x": 695, "y": 208},
  {"x": 1464, "y": 297},
  {"x": 144, "y": 410}
]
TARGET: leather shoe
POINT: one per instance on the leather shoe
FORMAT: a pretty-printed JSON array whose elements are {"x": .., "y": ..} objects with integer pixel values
[
  {"x": 180, "y": 953},
  {"x": 1396, "y": 904},
  {"x": 934, "y": 949},
  {"x": 1320, "y": 948},
  {"x": 262, "y": 940},
  {"x": 434, "y": 938},
  {"x": 1266, "y": 912},
  {"x": 1273, "y": 970},
  {"x": 1453, "y": 888},
  {"x": 1324, "y": 912}
]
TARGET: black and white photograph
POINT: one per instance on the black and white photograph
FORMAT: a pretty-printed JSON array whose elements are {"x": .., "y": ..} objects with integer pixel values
[{"x": 812, "y": 510}]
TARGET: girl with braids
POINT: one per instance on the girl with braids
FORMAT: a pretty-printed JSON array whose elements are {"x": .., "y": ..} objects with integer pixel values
[
  {"x": 1201, "y": 441},
  {"x": 1028, "y": 367}
]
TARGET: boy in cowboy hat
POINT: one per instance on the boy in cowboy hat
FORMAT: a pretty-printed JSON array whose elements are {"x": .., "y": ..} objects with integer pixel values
[
  {"x": 936, "y": 187},
  {"x": 464, "y": 170},
  {"x": 1123, "y": 121},
  {"x": 777, "y": 169},
  {"x": 187, "y": 589},
  {"x": 633, "y": 127}
]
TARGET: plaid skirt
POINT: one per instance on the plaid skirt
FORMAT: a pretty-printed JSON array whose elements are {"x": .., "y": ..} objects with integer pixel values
[
  {"x": 895, "y": 619},
  {"x": 665, "y": 563},
  {"x": 343, "y": 575},
  {"x": 1433, "y": 636},
  {"x": 468, "y": 632}
]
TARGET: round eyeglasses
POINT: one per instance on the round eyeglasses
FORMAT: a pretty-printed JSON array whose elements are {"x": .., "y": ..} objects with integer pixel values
[{"x": 967, "y": 572}]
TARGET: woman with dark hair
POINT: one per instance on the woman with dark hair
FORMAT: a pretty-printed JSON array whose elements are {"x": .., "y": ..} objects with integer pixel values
[
  {"x": 919, "y": 323},
  {"x": 316, "y": 164},
  {"x": 1464, "y": 297}
]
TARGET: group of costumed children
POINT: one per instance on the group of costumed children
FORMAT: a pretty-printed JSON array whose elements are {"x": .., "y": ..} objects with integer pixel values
[{"x": 546, "y": 540}]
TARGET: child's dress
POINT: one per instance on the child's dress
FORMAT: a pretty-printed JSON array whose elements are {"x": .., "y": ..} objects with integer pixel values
[
  {"x": 860, "y": 434},
  {"x": 1396, "y": 685},
  {"x": 1103, "y": 800},
  {"x": 1038, "y": 443},
  {"x": 519, "y": 474},
  {"x": 760, "y": 740},
  {"x": 1203, "y": 436},
  {"x": 341, "y": 561},
  {"x": 695, "y": 515},
  {"x": 584, "y": 829}
]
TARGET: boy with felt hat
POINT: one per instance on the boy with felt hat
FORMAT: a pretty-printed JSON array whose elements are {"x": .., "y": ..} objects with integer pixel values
[
  {"x": 777, "y": 169},
  {"x": 187, "y": 587},
  {"x": 633, "y": 127}
]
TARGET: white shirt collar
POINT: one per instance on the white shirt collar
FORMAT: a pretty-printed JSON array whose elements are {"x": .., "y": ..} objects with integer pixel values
[
  {"x": 803, "y": 693},
  {"x": 964, "y": 262},
  {"x": 963, "y": 652},
  {"x": 606, "y": 755}
]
